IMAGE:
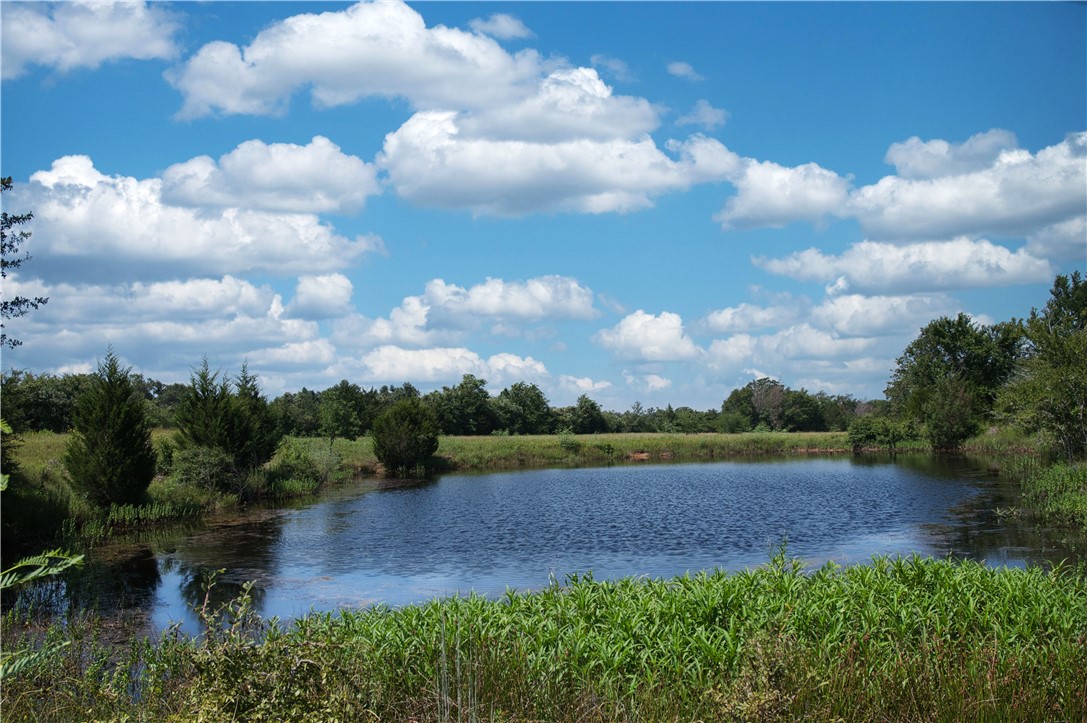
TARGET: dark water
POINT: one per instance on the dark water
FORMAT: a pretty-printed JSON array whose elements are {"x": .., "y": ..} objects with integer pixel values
[{"x": 409, "y": 542}]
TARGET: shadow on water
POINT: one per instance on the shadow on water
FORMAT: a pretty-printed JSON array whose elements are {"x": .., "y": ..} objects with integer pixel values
[{"x": 401, "y": 541}]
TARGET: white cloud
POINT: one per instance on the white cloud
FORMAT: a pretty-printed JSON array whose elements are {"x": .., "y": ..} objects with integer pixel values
[
  {"x": 321, "y": 297},
  {"x": 681, "y": 69},
  {"x": 928, "y": 266},
  {"x": 72, "y": 35},
  {"x": 1016, "y": 193},
  {"x": 856, "y": 315},
  {"x": 314, "y": 178},
  {"x": 429, "y": 163},
  {"x": 501, "y": 26},
  {"x": 89, "y": 225},
  {"x": 1066, "y": 240},
  {"x": 568, "y": 104},
  {"x": 915, "y": 159},
  {"x": 582, "y": 385},
  {"x": 647, "y": 382},
  {"x": 648, "y": 337},
  {"x": 381, "y": 49},
  {"x": 795, "y": 349},
  {"x": 391, "y": 363},
  {"x": 748, "y": 317},
  {"x": 705, "y": 115},
  {"x": 545, "y": 297},
  {"x": 773, "y": 195}
]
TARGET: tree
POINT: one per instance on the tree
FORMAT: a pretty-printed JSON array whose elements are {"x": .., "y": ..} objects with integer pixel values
[
  {"x": 340, "y": 410},
  {"x": 10, "y": 240},
  {"x": 587, "y": 417},
  {"x": 405, "y": 436},
  {"x": 464, "y": 409},
  {"x": 948, "y": 377},
  {"x": 255, "y": 433},
  {"x": 523, "y": 409},
  {"x": 1048, "y": 393},
  {"x": 206, "y": 416},
  {"x": 109, "y": 455}
]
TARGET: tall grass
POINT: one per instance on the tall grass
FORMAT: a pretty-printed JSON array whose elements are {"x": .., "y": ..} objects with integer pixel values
[{"x": 900, "y": 639}]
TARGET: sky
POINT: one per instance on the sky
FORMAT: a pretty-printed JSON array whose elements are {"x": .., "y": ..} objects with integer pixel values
[{"x": 641, "y": 202}]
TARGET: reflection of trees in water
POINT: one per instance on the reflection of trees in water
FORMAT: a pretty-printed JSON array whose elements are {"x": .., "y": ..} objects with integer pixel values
[
  {"x": 245, "y": 552},
  {"x": 125, "y": 581}
]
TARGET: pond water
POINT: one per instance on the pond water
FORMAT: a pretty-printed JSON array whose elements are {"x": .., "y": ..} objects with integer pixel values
[{"x": 407, "y": 542}]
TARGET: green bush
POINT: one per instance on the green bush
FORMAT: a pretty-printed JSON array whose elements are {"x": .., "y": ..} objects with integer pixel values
[
  {"x": 405, "y": 436},
  {"x": 205, "y": 467}
]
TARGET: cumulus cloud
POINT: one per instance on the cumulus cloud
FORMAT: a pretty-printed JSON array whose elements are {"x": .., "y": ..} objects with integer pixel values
[
  {"x": 916, "y": 159},
  {"x": 321, "y": 297},
  {"x": 1066, "y": 240},
  {"x": 857, "y": 315},
  {"x": 649, "y": 338},
  {"x": 441, "y": 364},
  {"x": 1015, "y": 192},
  {"x": 801, "y": 343},
  {"x": 72, "y": 35},
  {"x": 647, "y": 382},
  {"x": 749, "y": 317},
  {"x": 444, "y": 311},
  {"x": 928, "y": 266},
  {"x": 772, "y": 195},
  {"x": 684, "y": 70},
  {"x": 430, "y": 163},
  {"x": 165, "y": 323},
  {"x": 314, "y": 178},
  {"x": 582, "y": 385},
  {"x": 501, "y": 26},
  {"x": 381, "y": 49},
  {"x": 89, "y": 225},
  {"x": 705, "y": 115}
]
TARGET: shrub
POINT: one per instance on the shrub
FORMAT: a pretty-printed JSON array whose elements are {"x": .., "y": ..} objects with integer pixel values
[
  {"x": 109, "y": 456},
  {"x": 405, "y": 436},
  {"x": 206, "y": 467}
]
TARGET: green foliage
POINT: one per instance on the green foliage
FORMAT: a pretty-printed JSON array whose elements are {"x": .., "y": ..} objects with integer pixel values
[
  {"x": 872, "y": 432},
  {"x": 948, "y": 377},
  {"x": 588, "y": 417},
  {"x": 899, "y": 639},
  {"x": 233, "y": 418},
  {"x": 405, "y": 436},
  {"x": 343, "y": 411},
  {"x": 12, "y": 307},
  {"x": 109, "y": 457},
  {"x": 1049, "y": 393},
  {"x": 208, "y": 468},
  {"x": 523, "y": 409},
  {"x": 297, "y": 414},
  {"x": 1058, "y": 494},
  {"x": 465, "y": 409}
]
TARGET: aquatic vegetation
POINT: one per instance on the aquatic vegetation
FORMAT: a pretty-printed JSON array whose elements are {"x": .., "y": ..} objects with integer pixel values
[{"x": 899, "y": 639}]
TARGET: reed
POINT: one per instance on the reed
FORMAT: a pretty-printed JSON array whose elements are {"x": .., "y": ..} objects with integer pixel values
[{"x": 899, "y": 639}]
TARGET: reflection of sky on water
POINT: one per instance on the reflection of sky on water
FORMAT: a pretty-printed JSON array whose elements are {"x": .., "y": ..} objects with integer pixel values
[{"x": 485, "y": 533}]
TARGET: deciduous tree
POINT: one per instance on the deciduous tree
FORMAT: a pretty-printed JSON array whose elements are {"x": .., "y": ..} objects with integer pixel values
[{"x": 10, "y": 258}]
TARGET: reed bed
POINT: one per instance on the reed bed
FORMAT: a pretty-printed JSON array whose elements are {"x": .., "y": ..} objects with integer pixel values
[{"x": 899, "y": 639}]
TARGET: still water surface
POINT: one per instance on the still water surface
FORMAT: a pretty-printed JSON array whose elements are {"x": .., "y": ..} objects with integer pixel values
[{"x": 401, "y": 543}]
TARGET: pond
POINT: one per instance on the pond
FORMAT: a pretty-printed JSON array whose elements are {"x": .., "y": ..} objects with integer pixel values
[{"x": 406, "y": 542}]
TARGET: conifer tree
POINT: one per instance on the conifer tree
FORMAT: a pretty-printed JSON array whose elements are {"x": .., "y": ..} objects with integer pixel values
[{"x": 109, "y": 456}]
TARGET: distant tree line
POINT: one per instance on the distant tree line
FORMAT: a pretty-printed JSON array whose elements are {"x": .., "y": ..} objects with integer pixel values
[{"x": 346, "y": 410}]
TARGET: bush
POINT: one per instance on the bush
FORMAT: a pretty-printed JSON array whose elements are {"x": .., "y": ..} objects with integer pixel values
[
  {"x": 109, "y": 457},
  {"x": 205, "y": 467},
  {"x": 877, "y": 432},
  {"x": 405, "y": 436}
]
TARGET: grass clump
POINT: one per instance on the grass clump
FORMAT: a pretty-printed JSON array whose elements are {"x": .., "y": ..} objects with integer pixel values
[{"x": 900, "y": 639}]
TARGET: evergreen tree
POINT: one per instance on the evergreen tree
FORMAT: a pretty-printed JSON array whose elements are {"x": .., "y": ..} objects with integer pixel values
[
  {"x": 405, "y": 436},
  {"x": 206, "y": 415},
  {"x": 255, "y": 433},
  {"x": 109, "y": 456}
]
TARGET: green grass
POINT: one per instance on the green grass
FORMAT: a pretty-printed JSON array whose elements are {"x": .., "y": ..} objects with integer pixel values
[{"x": 902, "y": 639}]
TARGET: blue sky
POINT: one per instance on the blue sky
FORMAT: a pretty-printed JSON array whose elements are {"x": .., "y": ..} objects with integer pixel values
[{"x": 652, "y": 202}]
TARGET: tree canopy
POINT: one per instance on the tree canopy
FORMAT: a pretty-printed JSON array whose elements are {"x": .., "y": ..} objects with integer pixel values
[{"x": 10, "y": 258}]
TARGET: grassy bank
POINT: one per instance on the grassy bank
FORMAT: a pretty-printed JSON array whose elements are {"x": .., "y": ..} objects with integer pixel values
[{"x": 908, "y": 639}]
